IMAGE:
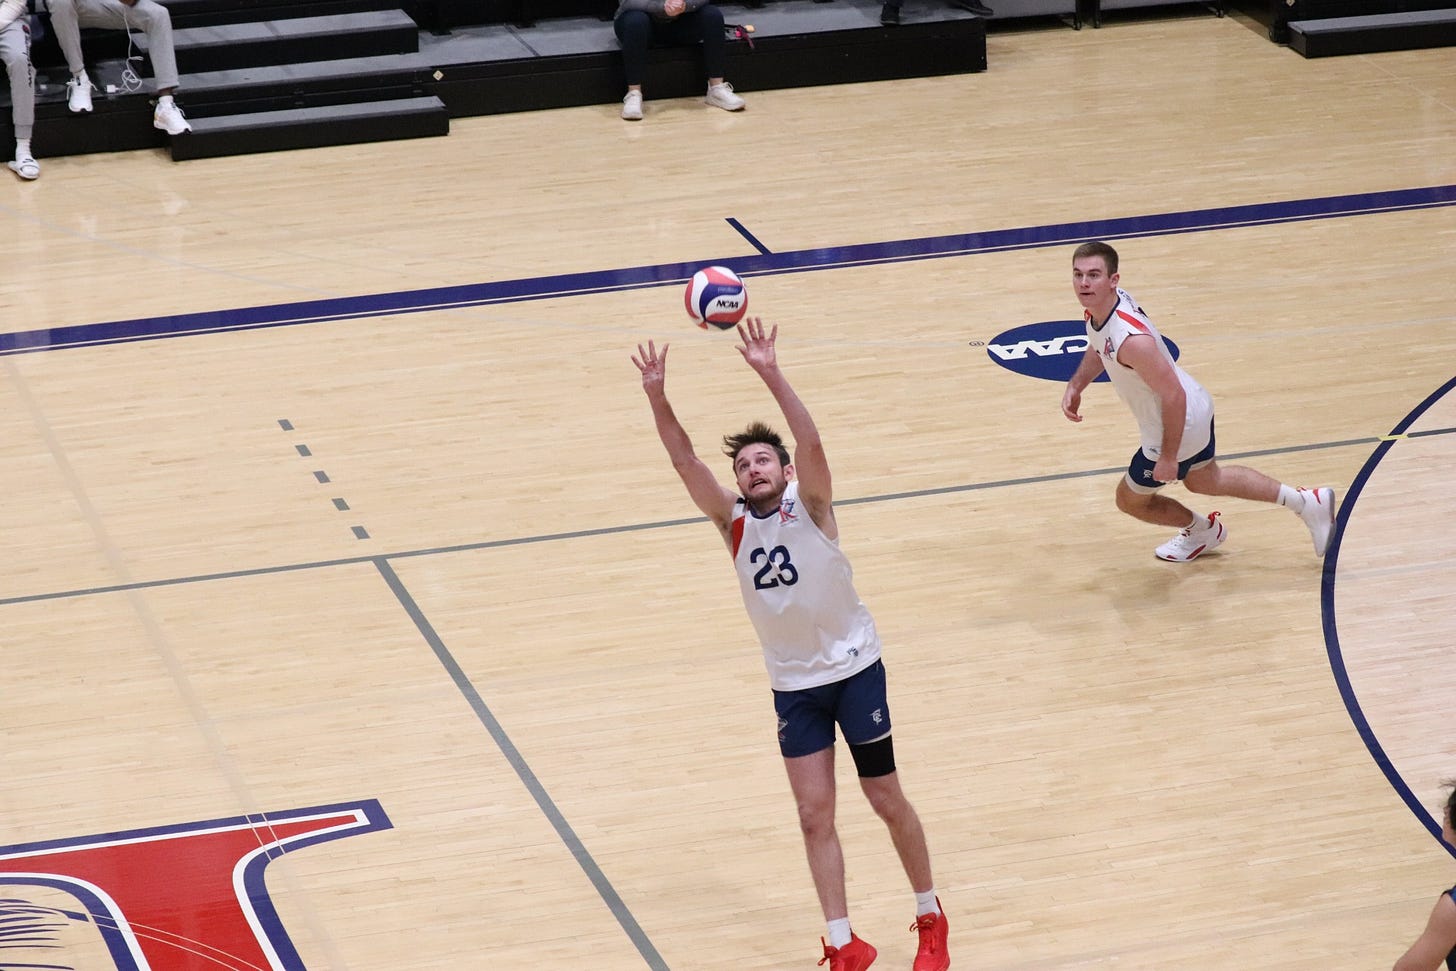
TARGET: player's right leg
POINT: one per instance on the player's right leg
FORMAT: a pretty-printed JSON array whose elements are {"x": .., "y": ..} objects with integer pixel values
[
  {"x": 1138, "y": 496},
  {"x": 806, "y": 741}
]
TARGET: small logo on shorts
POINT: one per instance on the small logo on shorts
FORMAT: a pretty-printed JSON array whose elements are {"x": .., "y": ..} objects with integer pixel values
[
  {"x": 783, "y": 725},
  {"x": 877, "y": 716}
]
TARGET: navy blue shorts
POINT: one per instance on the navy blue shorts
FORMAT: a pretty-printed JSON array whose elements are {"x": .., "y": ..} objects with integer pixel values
[
  {"x": 859, "y": 705},
  {"x": 1140, "y": 469}
]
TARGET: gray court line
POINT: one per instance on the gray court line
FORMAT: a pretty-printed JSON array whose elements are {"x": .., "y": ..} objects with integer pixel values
[
  {"x": 166, "y": 653},
  {"x": 1087, "y": 473},
  {"x": 528, "y": 778},
  {"x": 641, "y": 527}
]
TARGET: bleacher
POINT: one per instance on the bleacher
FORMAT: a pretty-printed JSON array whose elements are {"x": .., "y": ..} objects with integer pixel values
[
  {"x": 265, "y": 75},
  {"x": 1322, "y": 28}
]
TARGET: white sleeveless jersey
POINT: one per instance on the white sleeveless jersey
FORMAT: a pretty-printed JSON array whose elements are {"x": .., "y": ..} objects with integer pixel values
[
  {"x": 798, "y": 587},
  {"x": 1126, "y": 319}
]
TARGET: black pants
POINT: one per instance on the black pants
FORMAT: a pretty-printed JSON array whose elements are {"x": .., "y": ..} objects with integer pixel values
[{"x": 637, "y": 31}]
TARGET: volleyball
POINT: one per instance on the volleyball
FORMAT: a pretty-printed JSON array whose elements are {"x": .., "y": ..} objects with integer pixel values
[{"x": 716, "y": 298}]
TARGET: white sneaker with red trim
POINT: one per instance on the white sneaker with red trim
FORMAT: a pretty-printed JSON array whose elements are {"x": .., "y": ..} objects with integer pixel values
[{"x": 1193, "y": 541}]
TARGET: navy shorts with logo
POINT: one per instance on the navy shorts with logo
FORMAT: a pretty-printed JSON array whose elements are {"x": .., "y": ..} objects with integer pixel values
[
  {"x": 1140, "y": 469},
  {"x": 859, "y": 705}
]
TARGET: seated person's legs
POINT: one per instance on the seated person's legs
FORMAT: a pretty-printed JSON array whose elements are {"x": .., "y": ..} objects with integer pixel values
[
  {"x": 15, "y": 52},
  {"x": 634, "y": 33}
]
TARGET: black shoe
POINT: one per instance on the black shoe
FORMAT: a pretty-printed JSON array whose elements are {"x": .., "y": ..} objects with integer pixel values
[
  {"x": 890, "y": 15},
  {"x": 974, "y": 6}
]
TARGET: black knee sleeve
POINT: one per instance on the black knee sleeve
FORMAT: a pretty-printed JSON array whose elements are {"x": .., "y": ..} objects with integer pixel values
[{"x": 874, "y": 759}]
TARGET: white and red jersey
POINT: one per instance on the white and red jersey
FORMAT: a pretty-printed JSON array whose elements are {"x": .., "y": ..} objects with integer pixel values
[
  {"x": 1106, "y": 338},
  {"x": 798, "y": 587}
]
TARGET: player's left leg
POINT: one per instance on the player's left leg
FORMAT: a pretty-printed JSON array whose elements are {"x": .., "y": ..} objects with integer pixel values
[{"x": 864, "y": 716}]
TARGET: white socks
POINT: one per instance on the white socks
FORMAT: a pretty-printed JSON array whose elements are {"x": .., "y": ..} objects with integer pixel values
[
  {"x": 839, "y": 935},
  {"x": 1291, "y": 498}
]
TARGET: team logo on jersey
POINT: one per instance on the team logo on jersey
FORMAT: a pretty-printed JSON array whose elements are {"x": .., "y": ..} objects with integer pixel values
[
  {"x": 786, "y": 511},
  {"x": 1050, "y": 350},
  {"x": 169, "y": 898}
]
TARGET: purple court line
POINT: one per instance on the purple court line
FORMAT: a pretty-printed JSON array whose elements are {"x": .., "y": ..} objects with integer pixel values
[
  {"x": 1327, "y": 612},
  {"x": 761, "y": 264}
]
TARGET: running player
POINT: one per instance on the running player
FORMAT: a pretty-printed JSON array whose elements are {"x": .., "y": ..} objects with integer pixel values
[{"x": 1175, "y": 418}]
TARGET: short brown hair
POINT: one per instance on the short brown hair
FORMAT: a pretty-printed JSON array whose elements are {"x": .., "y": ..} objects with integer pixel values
[
  {"x": 1096, "y": 247},
  {"x": 755, "y": 434}
]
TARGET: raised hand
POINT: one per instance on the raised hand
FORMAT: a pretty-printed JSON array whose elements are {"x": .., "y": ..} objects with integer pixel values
[
  {"x": 757, "y": 349},
  {"x": 653, "y": 366}
]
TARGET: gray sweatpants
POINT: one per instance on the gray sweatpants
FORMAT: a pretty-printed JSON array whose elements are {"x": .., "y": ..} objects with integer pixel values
[
  {"x": 148, "y": 16},
  {"x": 15, "y": 52}
]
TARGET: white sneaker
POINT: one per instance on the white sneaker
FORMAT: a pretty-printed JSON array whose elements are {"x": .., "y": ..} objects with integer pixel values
[
  {"x": 78, "y": 93},
  {"x": 1319, "y": 515},
  {"x": 722, "y": 96},
  {"x": 632, "y": 106},
  {"x": 1194, "y": 541},
  {"x": 170, "y": 119}
]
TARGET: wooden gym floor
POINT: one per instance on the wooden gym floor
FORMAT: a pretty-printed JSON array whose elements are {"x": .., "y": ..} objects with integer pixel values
[{"x": 336, "y": 525}]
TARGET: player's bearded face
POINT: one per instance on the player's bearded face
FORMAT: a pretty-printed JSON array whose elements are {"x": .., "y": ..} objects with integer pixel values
[{"x": 759, "y": 473}]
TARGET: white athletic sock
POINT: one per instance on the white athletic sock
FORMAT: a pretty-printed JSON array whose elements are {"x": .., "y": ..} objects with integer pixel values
[
  {"x": 165, "y": 99},
  {"x": 839, "y": 932},
  {"x": 1291, "y": 498},
  {"x": 925, "y": 903},
  {"x": 22, "y": 147}
]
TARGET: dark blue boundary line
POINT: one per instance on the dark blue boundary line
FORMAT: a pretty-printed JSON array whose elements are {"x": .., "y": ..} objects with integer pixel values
[
  {"x": 762, "y": 264},
  {"x": 517, "y": 762},
  {"x": 753, "y": 240},
  {"x": 1327, "y": 612}
]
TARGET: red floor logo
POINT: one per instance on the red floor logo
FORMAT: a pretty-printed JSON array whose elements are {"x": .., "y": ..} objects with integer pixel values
[{"x": 172, "y": 898}]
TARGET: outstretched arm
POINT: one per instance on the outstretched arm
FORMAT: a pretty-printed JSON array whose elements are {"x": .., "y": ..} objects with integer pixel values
[
  {"x": 811, "y": 466},
  {"x": 1437, "y": 941},
  {"x": 707, "y": 493}
]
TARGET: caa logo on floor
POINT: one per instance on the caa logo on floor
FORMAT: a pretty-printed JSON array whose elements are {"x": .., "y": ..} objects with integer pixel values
[{"x": 1051, "y": 349}]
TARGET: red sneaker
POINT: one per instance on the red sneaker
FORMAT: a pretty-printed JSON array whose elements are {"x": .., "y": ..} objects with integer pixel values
[
  {"x": 854, "y": 956},
  {"x": 933, "y": 929}
]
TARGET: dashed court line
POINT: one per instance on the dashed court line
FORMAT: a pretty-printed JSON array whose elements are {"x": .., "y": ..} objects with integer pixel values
[{"x": 567, "y": 536}]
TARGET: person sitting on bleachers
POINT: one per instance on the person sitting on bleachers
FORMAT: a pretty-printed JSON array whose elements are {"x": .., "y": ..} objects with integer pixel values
[
  {"x": 640, "y": 22},
  {"x": 15, "y": 51},
  {"x": 148, "y": 16}
]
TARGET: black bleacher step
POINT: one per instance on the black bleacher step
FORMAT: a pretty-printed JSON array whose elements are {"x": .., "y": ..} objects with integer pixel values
[
  {"x": 224, "y": 47},
  {"x": 349, "y": 124},
  {"x": 205, "y": 13},
  {"x": 279, "y": 86},
  {"x": 1406, "y": 31}
]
